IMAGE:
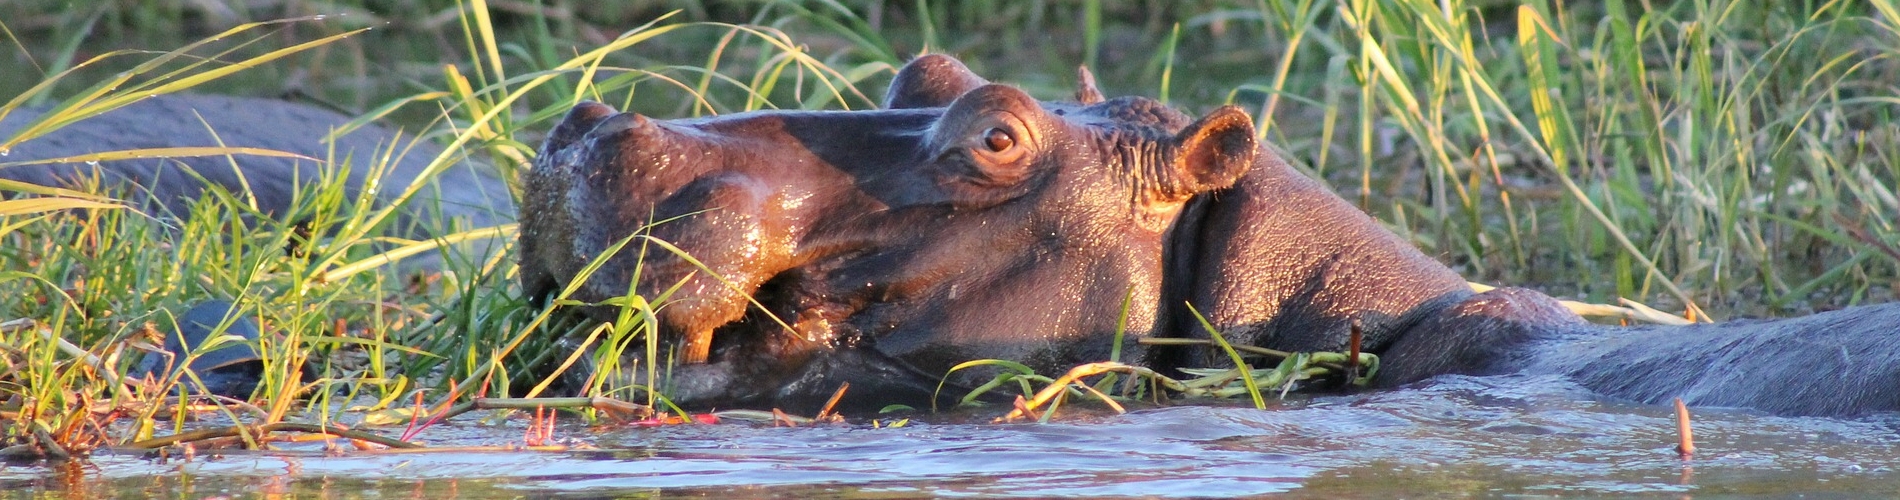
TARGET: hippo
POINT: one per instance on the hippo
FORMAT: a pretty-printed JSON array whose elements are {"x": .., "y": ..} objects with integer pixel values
[
  {"x": 973, "y": 221},
  {"x": 743, "y": 207},
  {"x": 806, "y": 233},
  {"x": 479, "y": 198}
]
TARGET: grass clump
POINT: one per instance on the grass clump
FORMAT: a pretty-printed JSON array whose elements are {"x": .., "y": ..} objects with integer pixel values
[{"x": 93, "y": 281}]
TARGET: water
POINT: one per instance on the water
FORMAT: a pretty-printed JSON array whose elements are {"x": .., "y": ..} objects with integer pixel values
[{"x": 1452, "y": 436}]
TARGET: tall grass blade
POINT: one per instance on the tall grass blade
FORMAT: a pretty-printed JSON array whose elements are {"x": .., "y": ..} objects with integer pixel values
[{"x": 1246, "y": 371}]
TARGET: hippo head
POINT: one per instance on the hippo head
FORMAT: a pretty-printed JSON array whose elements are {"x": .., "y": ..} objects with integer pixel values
[
  {"x": 729, "y": 201},
  {"x": 997, "y": 144},
  {"x": 1053, "y": 215},
  {"x": 887, "y": 245}
]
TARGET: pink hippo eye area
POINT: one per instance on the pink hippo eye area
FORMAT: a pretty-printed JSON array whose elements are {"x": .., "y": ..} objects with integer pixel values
[{"x": 997, "y": 140}]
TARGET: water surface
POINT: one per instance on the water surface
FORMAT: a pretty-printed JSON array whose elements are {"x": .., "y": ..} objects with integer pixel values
[{"x": 1452, "y": 435}]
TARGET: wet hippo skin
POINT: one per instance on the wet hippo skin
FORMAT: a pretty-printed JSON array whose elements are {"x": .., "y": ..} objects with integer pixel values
[
  {"x": 997, "y": 226},
  {"x": 980, "y": 235}
]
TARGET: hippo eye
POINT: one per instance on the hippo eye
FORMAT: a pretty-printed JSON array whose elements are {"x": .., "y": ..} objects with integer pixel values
[{"x": 998, "y": 140}]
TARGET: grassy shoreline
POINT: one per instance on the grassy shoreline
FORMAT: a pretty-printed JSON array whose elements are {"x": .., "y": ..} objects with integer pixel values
[{"x": 1744, "y": 152}]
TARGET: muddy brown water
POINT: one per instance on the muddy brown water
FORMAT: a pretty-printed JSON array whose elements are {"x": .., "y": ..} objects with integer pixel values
[{"x": 1450, "y": 436}]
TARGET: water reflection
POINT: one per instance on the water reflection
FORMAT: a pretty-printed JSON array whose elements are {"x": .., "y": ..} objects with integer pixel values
[{"x": 1454, "y": 435}]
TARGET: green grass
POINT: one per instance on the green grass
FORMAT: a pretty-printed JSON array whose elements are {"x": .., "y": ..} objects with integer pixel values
[{"x": 1740, "y": 156}]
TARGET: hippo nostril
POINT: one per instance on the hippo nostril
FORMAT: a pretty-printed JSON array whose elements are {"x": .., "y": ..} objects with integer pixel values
[
  {"x": 585, "y": 116},
  {"x": 620, "y": 124},
  {"x": 589, "y": 112}
]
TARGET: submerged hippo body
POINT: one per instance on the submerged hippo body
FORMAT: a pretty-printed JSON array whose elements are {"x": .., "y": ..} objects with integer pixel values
[
  {"x": 474, "y": 196},
  {"x": 1015, "y": 229},
  {"x": 1282, "y": 262}
]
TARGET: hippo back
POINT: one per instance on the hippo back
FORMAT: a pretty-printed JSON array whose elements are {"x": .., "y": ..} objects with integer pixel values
[{"x": 463, "y": 192}]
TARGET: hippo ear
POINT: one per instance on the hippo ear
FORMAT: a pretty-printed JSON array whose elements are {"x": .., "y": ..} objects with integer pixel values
[
  {"x": 931, "y": 81},
  {"x": 1213, "y": 152},
  {"x": 1085, "y": 91}
]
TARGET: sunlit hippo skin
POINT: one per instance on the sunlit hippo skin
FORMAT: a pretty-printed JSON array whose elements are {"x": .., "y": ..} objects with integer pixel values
[
  {"x": 475, "y": 196},
  {"x": 1018, "y": 227},
  {"x": 1278, "y": 260},
  {"x": 749, "y": 196},
  {"x": 1050, "y": 222},
  {"x": 1284, "y": 263},
  {"x": 815, "y": 213}
]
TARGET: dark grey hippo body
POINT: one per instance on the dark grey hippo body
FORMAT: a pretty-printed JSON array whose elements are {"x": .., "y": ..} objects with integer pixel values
[
  {"x": 1841, "y": 362},
  {"x": 465, "y": 192}
]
